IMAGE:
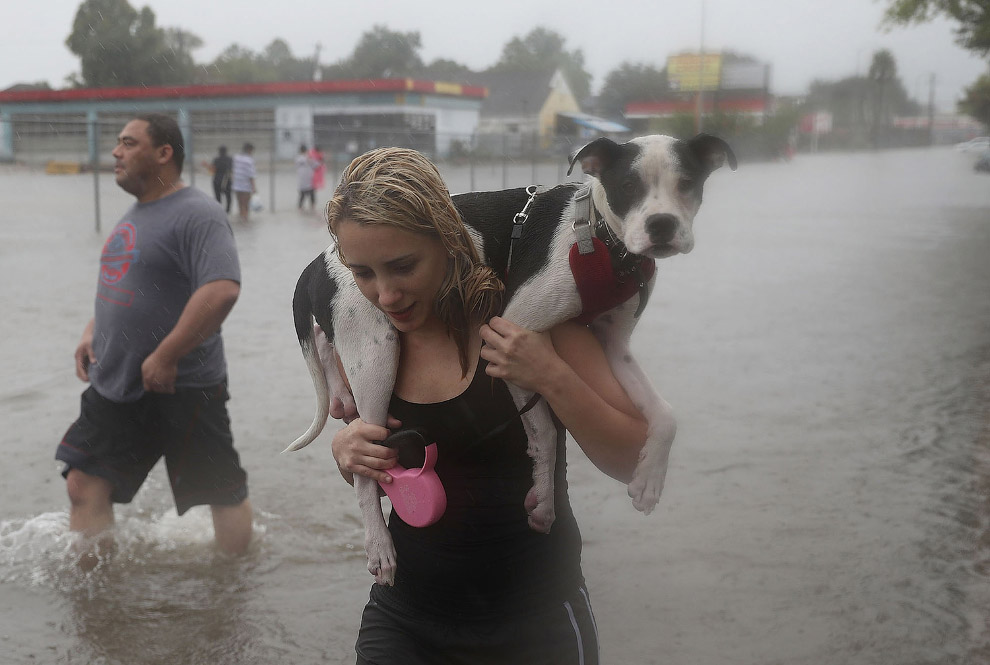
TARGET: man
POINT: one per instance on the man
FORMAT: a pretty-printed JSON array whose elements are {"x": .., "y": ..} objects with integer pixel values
[
  {"x": 222, "y": 165},
  {"x": 153, "y": 354}
]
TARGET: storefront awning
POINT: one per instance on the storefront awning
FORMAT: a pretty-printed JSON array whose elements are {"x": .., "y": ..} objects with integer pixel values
[{"x": 595, "y": 123}]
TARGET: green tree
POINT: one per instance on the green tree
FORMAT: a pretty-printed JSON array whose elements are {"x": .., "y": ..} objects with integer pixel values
[
  {"x": 443, "y": 69},
  {"x": 237, "y": 64},
  {"x": 976, "y": 103},
  {"x": 882, "y": 75},
  {"x": 542, "y": 50},
  {"x": 118, "y": 45},
  {"x": 380, "y": 53},
  {"x": 973, "y": 17},
  {"x": 631, "y": 83}
]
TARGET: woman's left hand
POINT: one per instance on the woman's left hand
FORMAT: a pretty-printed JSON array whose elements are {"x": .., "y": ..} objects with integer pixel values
[{"x": 518, "y": 355}]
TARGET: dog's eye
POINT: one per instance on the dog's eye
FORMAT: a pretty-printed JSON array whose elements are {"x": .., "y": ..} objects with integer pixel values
[
  {"x": 684, "y": 185},
  {"x": 629, "y": 186}
]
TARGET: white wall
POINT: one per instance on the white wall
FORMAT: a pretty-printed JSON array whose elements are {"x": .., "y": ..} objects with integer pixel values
[{"x": 295, "y": 125}]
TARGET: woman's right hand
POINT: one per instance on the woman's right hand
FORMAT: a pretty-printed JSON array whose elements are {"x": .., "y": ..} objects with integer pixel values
[{"x": 355, "y": 449}]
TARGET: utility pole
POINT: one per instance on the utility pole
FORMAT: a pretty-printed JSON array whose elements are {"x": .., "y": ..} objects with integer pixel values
[
  {"x": 699, "y": 122},
  {"x": 931, "y": 109},
  {"x": 317, "y": 72}
]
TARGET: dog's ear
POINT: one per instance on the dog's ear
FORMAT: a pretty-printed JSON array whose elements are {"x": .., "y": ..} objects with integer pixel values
[
  {"x": 712, "y": 151},
  {"x": 596, "y": 156}
]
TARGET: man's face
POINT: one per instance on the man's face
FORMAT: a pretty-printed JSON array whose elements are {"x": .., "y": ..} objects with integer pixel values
[{"x": 137, "y": 161}]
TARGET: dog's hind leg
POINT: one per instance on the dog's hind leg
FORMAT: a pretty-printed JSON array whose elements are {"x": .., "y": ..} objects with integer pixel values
[{"x": 613, "y": 331}]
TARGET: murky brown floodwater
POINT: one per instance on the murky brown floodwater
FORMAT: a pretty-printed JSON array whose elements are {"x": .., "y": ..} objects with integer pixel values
[{"x": 826, "y": 348}]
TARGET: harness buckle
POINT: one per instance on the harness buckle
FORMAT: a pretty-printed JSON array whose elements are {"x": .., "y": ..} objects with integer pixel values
[{"x": 582, "y": 222}]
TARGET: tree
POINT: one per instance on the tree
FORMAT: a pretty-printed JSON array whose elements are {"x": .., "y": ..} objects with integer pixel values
[
  {"x": 380, "y": 53},
  {"x": 237, "y": 64},
  {"x": 882, "y": 74},
  {"x": 973, "y": 17},
  {"x": 542, "y": 50},
  {"x": 976, "y": 103},
  {"x": 631, "y": 83},
  {"x": 443, "y": 69},
  {"x": 119, "y": 45}
]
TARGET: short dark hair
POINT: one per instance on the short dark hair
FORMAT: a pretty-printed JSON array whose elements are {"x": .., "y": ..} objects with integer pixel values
[{"x": 164, "y": 130}]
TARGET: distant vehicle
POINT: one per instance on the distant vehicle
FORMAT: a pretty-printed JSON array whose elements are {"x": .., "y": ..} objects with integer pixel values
[{"x": 979, "y": 144}]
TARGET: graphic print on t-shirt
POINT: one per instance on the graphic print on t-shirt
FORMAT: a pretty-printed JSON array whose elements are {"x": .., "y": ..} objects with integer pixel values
[{"x": 118, "y": 254}]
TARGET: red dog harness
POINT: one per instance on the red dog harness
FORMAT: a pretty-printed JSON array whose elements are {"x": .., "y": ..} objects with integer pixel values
[{"x": 599, "y": 283}]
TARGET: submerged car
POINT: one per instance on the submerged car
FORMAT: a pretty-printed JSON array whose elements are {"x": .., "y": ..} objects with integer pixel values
[{"x": 979, "y": 144}]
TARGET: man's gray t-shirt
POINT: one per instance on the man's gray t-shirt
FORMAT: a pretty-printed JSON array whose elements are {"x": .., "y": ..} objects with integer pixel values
[{"x": 155, "y": 258}]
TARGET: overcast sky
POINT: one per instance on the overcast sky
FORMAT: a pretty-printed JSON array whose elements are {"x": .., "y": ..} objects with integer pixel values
[{"x": 802, "y": 39}]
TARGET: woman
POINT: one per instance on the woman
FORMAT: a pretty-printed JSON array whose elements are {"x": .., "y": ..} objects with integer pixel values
[
  {"x": 243, "y": 173},
  {"x": 478, "y": 586}
]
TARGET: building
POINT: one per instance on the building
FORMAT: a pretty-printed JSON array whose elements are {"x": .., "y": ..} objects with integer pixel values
[{"x": 346, "y": 117}]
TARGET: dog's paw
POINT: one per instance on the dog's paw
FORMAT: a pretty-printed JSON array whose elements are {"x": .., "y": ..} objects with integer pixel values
[
  {"x": 381, "y": 563},
  {"x": 541, "y": 513},
  {"x": 645, "y": 490}
]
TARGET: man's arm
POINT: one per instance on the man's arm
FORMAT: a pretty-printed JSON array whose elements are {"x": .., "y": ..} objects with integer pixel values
[
  {"x": 201, "y": 317},
  {"x": 84, "y": 352}
]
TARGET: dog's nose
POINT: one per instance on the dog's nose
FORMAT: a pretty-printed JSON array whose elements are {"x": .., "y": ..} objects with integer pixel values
[{"x": 661, "y": 228}]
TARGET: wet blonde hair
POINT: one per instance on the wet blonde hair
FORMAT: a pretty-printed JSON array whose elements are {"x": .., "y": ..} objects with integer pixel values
[{"x": 401, "y": 188}]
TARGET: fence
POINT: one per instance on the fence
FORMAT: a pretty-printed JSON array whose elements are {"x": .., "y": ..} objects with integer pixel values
[{"x": 469, "y": 162}]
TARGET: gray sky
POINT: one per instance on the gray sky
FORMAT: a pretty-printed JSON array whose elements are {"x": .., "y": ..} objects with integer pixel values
[{"x": 803, "y": 39}]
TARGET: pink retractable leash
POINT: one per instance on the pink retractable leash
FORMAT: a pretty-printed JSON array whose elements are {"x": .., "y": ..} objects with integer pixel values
[{"x": 417, "y": 494}]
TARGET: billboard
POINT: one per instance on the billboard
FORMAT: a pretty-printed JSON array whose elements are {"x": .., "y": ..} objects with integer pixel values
[
  {"x": 745, "y": 76},
  {"x": 693, "y": 71}
]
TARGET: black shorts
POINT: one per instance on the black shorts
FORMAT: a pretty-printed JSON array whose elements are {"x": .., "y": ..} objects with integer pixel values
[
  {"x": 121, "y": 442},
  {"x": 562, "y": 633}
]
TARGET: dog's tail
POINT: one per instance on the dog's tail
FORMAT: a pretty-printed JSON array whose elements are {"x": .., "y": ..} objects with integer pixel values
[{"x": 302, "y": 315}]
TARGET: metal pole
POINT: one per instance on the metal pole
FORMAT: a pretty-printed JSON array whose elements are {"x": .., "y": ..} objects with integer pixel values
[
  {"x": 699, "y": 117},
  {"x": 931, "y": 109},
  {"x": 271, "y": 171},
  {"x": 471, "y": 148},
  {"x": 533, "y": 154},
  {"x": 185, "y": 126},
  {"x": 93, "y": 132},
  {"x": 504, "y": 162}
]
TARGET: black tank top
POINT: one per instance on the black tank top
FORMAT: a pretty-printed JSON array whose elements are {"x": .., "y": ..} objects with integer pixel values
[{"x": 481, "y": 558}]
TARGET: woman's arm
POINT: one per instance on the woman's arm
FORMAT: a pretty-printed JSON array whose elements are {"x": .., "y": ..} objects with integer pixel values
[
  {"x": 568, "y": 367},
  {"x": 354, "y": 447}
]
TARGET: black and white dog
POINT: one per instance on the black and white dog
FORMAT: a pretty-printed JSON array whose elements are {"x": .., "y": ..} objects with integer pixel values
[{"x": 574, "y": 251}]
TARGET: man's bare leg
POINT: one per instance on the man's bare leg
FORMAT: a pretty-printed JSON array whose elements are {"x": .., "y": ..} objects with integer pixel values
[
  {"x": 232, "y": 526},
  {"x": 90, "y": 514}
]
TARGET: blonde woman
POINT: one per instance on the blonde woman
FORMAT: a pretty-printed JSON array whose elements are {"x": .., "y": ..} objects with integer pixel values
[{"x": 478, "y": 586}]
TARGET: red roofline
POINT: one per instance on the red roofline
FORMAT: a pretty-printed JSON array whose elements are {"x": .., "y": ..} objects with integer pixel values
[{"x": 246, "y": 90}]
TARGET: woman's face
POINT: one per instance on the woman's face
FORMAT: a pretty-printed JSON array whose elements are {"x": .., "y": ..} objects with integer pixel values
[{"x": 398, "y": 271}]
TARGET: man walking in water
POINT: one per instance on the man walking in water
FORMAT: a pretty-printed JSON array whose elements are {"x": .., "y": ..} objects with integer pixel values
[{"x": 153, "y": 355}]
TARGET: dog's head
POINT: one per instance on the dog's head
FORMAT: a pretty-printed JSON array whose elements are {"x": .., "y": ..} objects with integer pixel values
[{"x": 653, "y": 186}]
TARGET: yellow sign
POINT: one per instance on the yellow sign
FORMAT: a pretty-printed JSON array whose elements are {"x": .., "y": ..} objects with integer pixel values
[
  {"x": 62, "y": 168},
  {"x": 693, "y": 71}
]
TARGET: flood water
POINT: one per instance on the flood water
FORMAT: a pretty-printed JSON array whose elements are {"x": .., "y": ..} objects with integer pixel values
[{"x": 826, "y": 348}]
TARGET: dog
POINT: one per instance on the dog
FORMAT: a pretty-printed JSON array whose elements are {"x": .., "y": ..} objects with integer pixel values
[{"x": 575, "y": 251}]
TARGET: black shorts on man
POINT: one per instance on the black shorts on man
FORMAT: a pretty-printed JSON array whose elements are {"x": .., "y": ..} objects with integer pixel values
[{"x": 121, "y": 442}]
